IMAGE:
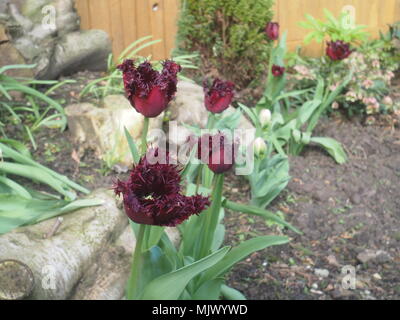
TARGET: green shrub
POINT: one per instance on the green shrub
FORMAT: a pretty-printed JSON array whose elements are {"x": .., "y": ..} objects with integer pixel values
[{"x": 229, "y": 36}]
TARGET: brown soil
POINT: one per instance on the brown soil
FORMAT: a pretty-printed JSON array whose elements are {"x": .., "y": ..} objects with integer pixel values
[{"x": 342, "y": 211}]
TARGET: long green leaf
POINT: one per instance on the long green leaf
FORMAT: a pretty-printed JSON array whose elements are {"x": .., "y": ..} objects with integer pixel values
[
  {"x": 333, "y": 147},
  {"x": 20, "y": 158},
  {"x": 231, "y": 293},
  {"x": 36, "y": 174},
  {"x": 240, "y": 252},
  {"x": 132, "y": 147},
  {"x": 170, "y": 286},
  {"x": 16, "y": 211},
  {"x": 258, "y": 212}
]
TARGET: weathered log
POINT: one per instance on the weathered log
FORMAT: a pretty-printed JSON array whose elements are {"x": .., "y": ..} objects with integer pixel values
[
  {"x": 59, "y": 261},
  {"x": 106, "y": 279}
]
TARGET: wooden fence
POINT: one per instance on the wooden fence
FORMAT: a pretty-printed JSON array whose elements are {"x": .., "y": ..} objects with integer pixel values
[{"x": 128, "y": 20}]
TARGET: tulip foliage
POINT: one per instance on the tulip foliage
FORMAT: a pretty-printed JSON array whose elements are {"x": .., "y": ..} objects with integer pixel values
[
  {"x": 342, "y": 28},
  {"x": 154, "y": 197},
  {"x": 195, "y": 269},
  {"x": 290, "y": 129},
  {"x": 20, "y": 204}
]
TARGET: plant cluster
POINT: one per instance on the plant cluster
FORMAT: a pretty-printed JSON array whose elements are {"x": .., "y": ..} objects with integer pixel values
[
  {"x": 373, "y": 62},
  {"x": 153, "y": 197},
  {"x": 39, "y": 110},
  {"x": 290, "y": 125},
  {"x": 20, "y": 204}
]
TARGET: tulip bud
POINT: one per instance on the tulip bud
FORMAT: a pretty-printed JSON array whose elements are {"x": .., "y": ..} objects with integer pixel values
[
  {"x": 335, "y": 105},
  {"x": 217, "y": 151},
  {"x": 260, "y": 148},
  {"x": 272, "y": 30},
  {"x": 148, "y": 90},
  {"x": 218, "y": 96},
  {"x": 277, "y": 71},
  {"x": 265, "y": 117},
  {"x": 388, "y": 101},
  {"x": 338, "y": 50}
]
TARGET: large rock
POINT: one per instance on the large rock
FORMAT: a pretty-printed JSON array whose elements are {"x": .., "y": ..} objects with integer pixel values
[
  {"x": 10, "y": 56},
  {"x": 102, "y": 128},
  {"x": 58, "y": 50},
  {"x": 77, "y": 51},
  {"x": 188, "y": 107}
]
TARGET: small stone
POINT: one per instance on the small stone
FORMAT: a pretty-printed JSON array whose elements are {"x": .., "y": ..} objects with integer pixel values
[
  {"x": 320, "y": 195},
  {"x": 316, "y": 292},
  {"x": 331, "y": 259},
  {"x": 120, "y": 168},
  {"x": 315, "y": 286},
  {"x": 355, "y": 199},
  {"x": 323, "y": 273},
  {"x": 377, "y": 276},
  {"x": 379, "y": 256},
  {"x": 361, "y": 284},
  {"x": 330, "y": 287}
]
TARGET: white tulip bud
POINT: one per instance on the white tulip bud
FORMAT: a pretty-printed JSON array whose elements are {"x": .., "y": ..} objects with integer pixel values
[
  {"x": 388, "y": 101},
  {"x": 260, "y": 147},
  {"x": 265, "y": 117}
]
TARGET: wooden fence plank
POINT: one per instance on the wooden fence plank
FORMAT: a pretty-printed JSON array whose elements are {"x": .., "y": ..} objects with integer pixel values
[
  {"x": 143, "y": 26},
  {"x": 171, "y": 8},
  {"x": 82, "y": 6},
  {"x": 129, "y": 20},
  {"x": 100, "y": 15},
  {"x": 128, "y": 13},
  {"x": 156, "y": 9},
  {"x": 116, "y": 26}
]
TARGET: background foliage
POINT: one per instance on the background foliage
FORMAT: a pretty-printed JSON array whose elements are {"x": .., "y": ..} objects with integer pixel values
[{"x": 229, "y": 35}]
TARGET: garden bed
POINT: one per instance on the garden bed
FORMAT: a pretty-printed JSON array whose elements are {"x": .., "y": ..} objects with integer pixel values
[
  {"x": 343, "y": 211},
  {"x": 349, "y": 214}
]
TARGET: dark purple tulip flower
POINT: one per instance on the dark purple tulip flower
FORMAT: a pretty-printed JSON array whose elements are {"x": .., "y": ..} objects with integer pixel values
[
  {"x": 152, "y": 195},
  {"x": 148, "y": 90},
  {"x": 278, "y": 71},
  {"x": 218, "y": 96},
  {"x": 338, "y": 50},
  {"x": 217, "y": 151}
]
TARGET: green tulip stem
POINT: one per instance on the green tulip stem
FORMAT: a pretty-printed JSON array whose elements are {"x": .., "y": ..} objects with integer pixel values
[
  {"x": 211, "y": 121},
  {"x": 211, "y": 221},
  {"x": 198, "y": 178},
  {"x": 137, "y": 264},
  {"x": 144, "y": 135}
]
